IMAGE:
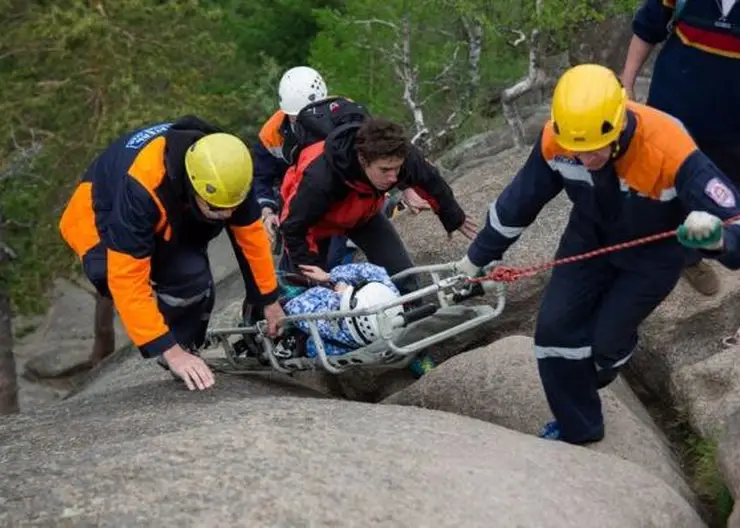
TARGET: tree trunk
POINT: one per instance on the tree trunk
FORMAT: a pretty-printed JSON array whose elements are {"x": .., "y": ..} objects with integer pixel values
[
  {"x": 105, "y": 336},
  {"x": 8, "y": 375},
  {"x": 535, "y": 78}
]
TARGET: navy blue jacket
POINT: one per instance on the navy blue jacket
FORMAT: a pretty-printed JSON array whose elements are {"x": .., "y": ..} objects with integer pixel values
[
  {"x": 697, "y": 73},
  {"x": 135, "y": 199},
  {"x": 658, "y": 177},
  {"x": 271, "y": 155}
]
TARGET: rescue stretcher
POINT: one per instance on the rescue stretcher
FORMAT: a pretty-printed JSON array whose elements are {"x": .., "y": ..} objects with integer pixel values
[{"x": 438, "y": 317}]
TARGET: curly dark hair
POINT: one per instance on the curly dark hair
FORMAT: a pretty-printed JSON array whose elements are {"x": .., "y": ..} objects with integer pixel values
[{"x": 380, "y": 138}]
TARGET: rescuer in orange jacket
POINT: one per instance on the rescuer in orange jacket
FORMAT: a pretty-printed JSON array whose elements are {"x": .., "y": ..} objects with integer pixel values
[{"x": 141, "y": 219}]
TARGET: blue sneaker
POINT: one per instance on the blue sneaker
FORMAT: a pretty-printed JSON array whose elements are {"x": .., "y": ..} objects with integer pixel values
[
  {"x": 551, "y": 431},
  {"x": 421, "y": 366}
]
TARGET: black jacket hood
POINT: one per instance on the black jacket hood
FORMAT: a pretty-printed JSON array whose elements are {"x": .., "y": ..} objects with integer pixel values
[
  {"x": 180, "y": 136},
  {"x": 341, "y": 155}
]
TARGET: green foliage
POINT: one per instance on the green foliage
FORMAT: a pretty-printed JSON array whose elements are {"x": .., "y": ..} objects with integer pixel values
[
  {"x": 73, "y": 77},
  {"x": 74, "y": 74},
  {"x": 561, "y": 19},
  {"x": 359, "y": 49},
  {"x": 282, "y": 29},
  {"x": 352, "y": 61},
  {"x": 360, "y": 52},
  {"x": 702, "y": 454}
]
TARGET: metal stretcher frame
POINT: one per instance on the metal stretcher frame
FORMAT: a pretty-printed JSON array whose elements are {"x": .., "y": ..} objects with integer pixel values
[{"x": 385, "y": 351}]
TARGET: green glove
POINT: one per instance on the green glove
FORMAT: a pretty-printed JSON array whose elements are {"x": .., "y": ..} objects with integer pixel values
[{"x": 701, "y": 230}]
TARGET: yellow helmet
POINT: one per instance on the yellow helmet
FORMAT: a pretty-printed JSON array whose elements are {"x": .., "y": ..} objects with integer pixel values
[
  {"x": 220, "y": 170},
  {"x": 588, "y": 108}
]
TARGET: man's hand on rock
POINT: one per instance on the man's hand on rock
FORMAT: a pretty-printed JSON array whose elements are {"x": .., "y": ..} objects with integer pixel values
[{"x": 192, "y": 369}]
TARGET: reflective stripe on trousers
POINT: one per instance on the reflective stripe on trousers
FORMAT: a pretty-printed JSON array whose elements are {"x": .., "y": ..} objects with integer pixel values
[{"x": 180, "y": 302}]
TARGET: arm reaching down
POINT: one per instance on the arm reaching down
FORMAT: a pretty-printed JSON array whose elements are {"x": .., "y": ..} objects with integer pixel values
[
  {"x": 426, "y": 180},
  {"x": 129, "y": 239},
  {"x": 268, "y": 172},
  {"x": 649, "y": 27},
  {"x": 251, "y": 238}
]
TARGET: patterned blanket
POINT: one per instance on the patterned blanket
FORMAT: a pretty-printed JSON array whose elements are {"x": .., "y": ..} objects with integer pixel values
[{"x": 336, "y": 336}]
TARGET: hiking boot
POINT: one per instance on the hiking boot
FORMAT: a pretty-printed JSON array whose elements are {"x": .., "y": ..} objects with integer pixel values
[
  {"x": 550, "y": 431},
  {"x": 702, "y": 278}
]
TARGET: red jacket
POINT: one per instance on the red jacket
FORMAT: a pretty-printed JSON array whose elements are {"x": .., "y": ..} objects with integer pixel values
[{"x": 327, "y": 193}]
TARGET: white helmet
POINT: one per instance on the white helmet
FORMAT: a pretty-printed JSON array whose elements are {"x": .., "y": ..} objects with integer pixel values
[
  {"x": 364, "y": 329},
  {"x": 299, "y": 87}
]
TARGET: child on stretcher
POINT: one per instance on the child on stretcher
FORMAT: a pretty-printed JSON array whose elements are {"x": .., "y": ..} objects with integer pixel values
[{"x": 347, "y": 287}]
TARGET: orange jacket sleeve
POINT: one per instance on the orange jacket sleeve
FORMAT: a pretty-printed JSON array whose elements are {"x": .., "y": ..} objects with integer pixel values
[{"x": 128, "y": 280}]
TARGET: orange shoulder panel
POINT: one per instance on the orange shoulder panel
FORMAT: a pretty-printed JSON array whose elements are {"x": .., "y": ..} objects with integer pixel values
[
  {"x": 77, "y": 224},
  {"x": 270, "y": 132},
  {"x": 149, "y": 170},
  {"x": 550, "y": 147},
  {"x": 658, "y": 148}
]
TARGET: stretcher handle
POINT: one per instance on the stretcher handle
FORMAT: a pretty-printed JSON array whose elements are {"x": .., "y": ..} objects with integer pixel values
[
  {"x": 476, "y": 290},
  {"x": 419, "y": 313}
]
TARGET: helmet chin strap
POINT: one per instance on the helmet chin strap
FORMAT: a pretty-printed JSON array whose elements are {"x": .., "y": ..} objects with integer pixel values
[
  {"x": 615, "y": 149},
  {"x": 192, "y": 202}
]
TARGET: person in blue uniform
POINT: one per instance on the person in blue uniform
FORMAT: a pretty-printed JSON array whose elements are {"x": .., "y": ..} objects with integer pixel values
[
  {"x": 630, "y": 171},
  {"x": 696, "y": 79},
  {"x": 140, "y": 221}
]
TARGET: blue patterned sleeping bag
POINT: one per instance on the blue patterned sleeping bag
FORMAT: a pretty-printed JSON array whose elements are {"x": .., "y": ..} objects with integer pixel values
[{"x": 336, "y": 336}]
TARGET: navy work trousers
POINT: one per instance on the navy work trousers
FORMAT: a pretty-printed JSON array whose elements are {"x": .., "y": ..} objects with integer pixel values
[{"x": 587, "y": 326}]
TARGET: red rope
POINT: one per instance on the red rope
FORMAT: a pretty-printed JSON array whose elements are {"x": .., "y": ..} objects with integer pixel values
[{"x": 511, "y": 274}]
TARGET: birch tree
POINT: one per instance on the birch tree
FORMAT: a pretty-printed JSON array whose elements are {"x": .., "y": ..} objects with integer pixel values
[
  {"x": 534, "y": 78},
  {"x": 420, "y": 61},
  {"x": 548, "y": 26}
]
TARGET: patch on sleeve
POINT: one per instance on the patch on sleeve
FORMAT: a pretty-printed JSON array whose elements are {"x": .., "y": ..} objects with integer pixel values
[{"x": 720, "y": 193}]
